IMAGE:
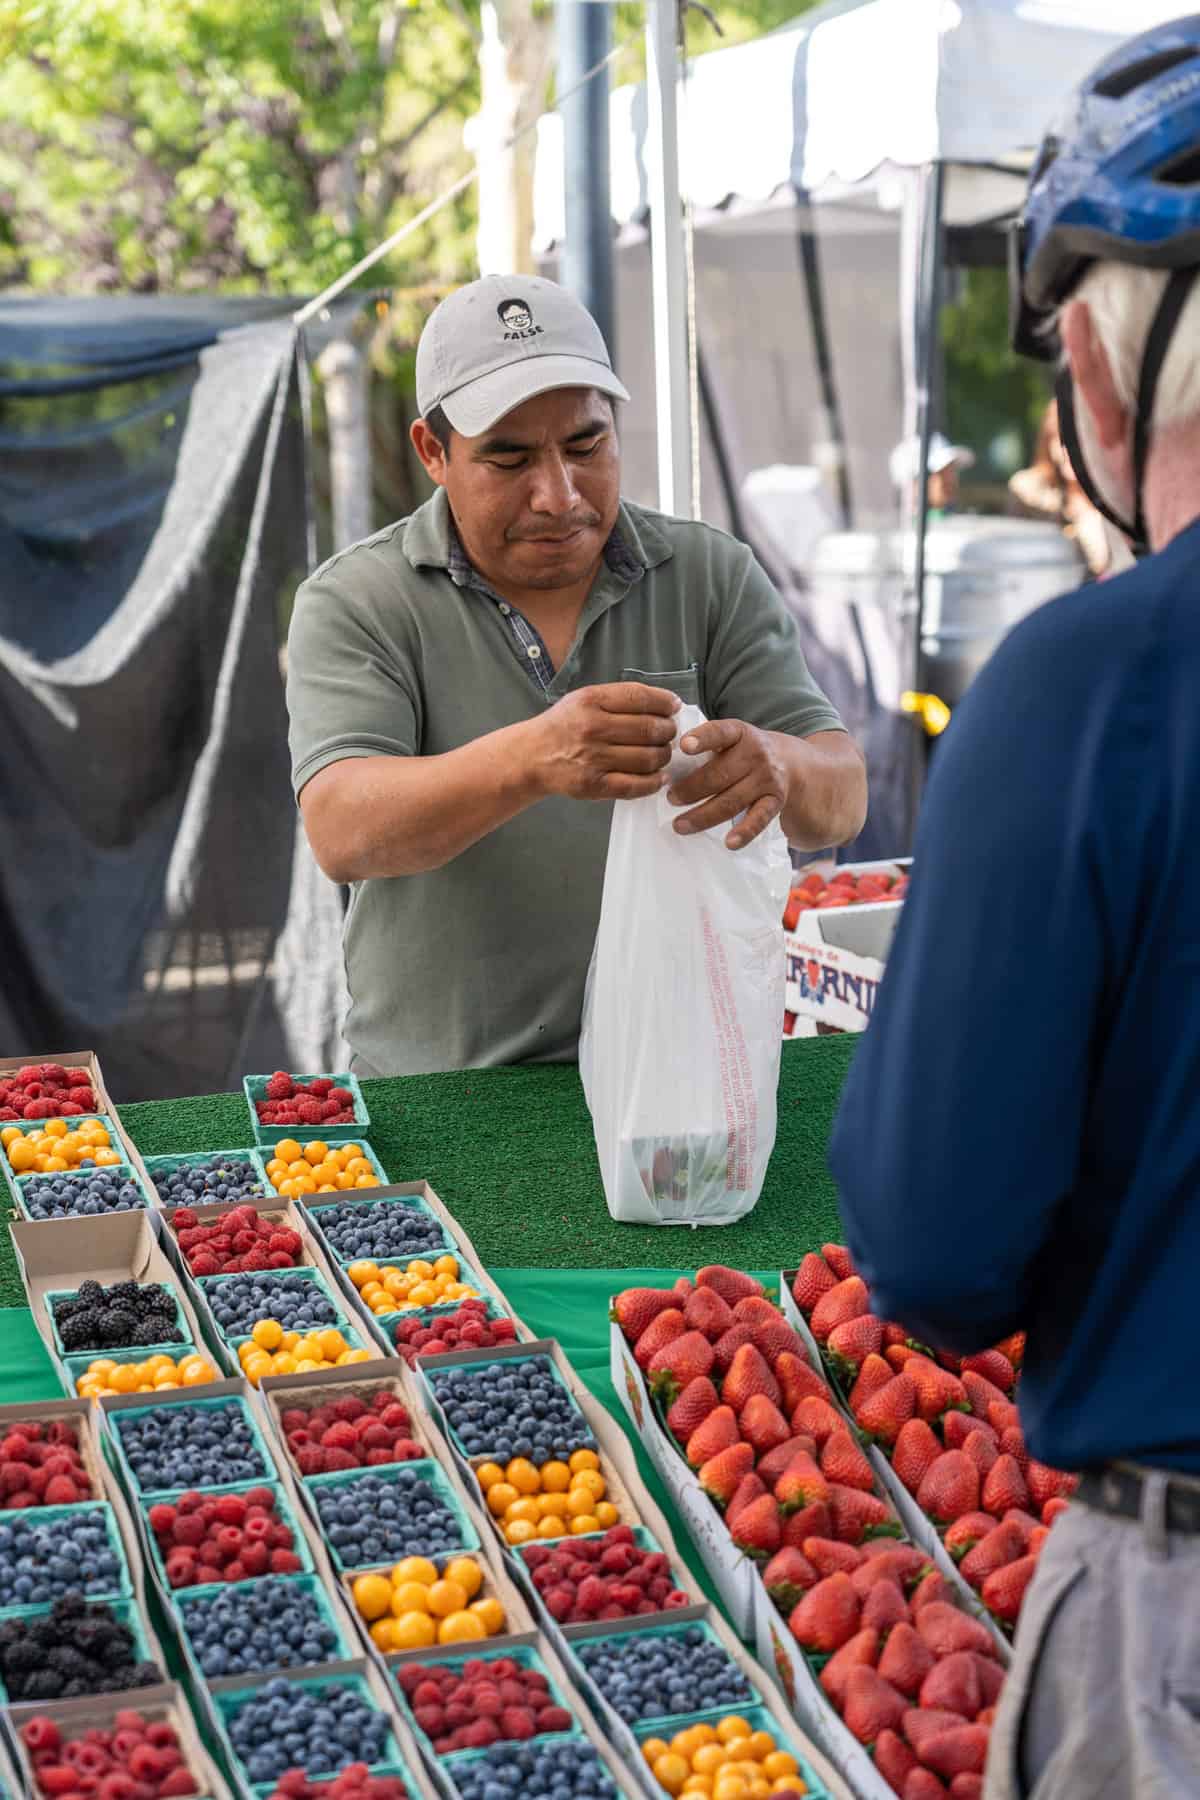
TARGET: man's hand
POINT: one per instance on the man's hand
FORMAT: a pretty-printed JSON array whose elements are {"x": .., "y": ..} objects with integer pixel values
[
  {"x": 606, "y": 743},
  {"x": 746, "y": 774}
]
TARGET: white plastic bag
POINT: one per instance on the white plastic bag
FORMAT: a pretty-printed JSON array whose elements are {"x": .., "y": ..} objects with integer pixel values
[{"x": 683, "y": 1013}]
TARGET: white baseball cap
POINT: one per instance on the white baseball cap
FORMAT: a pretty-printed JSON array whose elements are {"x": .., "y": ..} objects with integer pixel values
[
  {"x": 905, "y": 460},
  {"x": 497, "y": 342}
]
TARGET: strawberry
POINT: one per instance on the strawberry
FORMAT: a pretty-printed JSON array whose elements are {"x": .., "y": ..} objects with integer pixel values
[
  {"x": 872, "y": 1705},
  {"x": 957, "y": 1427},
  {"x": 981, "y": 1392},
  {"x": 900, "y": 1354},
  {"x": 1004, "y": 1589},
  {"x": 1013, "y": 1347},
  {"x": 938, "y": 1391},
  {"x": 731, "y": 1284},
  {"x": 728, "y": 1345},
  {"x": 828, "y": 1557},
  {"x": 763, "y": 1425},
  {"x": 994, "y": 1366},
  {"x": 957, "y": 1752},
  {"x": 966, "y": 1786},
  {"x": 811, "y": 1521},
  {"x": 697, "y": 1400},
  {"x": 817, "y": 1418},
  {"x": 1012, "y": 1443},
  {"x": 665, "y": 1326},
  {"x": 720, "y": 1475},
  {"x": 714, "y": 1434},
  {"x": 884, "y": 1606},
  {"x": 636, "y": 1308},
  {"x": 1025, "y": 1522},
  {"x": 859, "y": 1652},
  {"x": 751, "y": 1487},
  {"x": 804, "y": 1383},
  {"x": 801, "y": 1484},
  {"x": 982, "y": 1452},
  {"x": 921, "y": 1724},
  {"x": 874, "y": 1374},
  {"x": 991, "y": 1679},
  {"x": 844, "y": 1462},
  {"x": 749, "y": 1374},
  {"x": 683, "y": 1289},
  {"x": 1037, "y": 1538},
  {"x": 894, "y": 1333},
  {"x": 950, "y": 1488},
  {"x": 947, "y": 1629},
  {"x": 882, "y": 1415},
  {"x": 932, "y": 1590},
  {"x": 671, "y": 1368},
  {"x": 828, "y": 1615},
  {"x": 1004, "y": 1487},
  {"x": 923, "y": 1784},
  {"x": 906, "y": 1659},
  {"x": 953, "y": 1683},
  {"x": 847, "y": 1300},
  {"x": 776, "y": 1338},
  {"x": 755, "y": 1310},
  {"x": 882, "y": 1560},
  {"x": 1003, "y": 1416},
  {"x": 790, "y": 1369},
  {"x": 966, "y": 1532},
  {"x": 849, "y": 1345},
  {"x": 1003, "y": 1545},
  {"x": 771, "y": 1466},
  {"x": 894, "y": 1760},
  {"x": 1055, "y": 1506},
  {"x": 788, "y": 1577},
  {"x": 814, "y": 1277},
  {"x": 916, "y": 1450},
  {"x": 705, "y": 1311},
  {"x": 758, "y": 1531},
  {"x": 839, "y": 1259},
  {"x": 857, "y": 1515},
  {"x": 1046, "y": 1483}
]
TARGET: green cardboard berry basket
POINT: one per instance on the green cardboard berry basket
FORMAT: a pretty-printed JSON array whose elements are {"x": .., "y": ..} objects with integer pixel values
[
  {"x": 77, "y": 1365},
  {"x": 427, "y": 1470},
  {"x": 115, "y": 1420},
  {"x": 26, "y": 1126},
  {"x": 127, "y": 1612},
  {"x": 185, "y": 1600},
  {"x": 758, "y": 1719},
  {"x": 324, "y": 1783},
  {"x": 195, "y": 1159},
  {"x": 260, "y": 1157},
  {"x": 463, "y": 1761},
  {"x": 21, "y": 1185},
  {"x": 206, "y": 1285},
  {"x": 428, "y": 1377},
  {"x": 226, "y": 1701},
  {"x": 255, "y": 1087},
  {"x": 44, "y": 1516},
  {"x": 442, "y": 1657},
  {"x": 642, "y": 1628},
  {"x": 282, "y": 1511},
  {"x": 127, "y": 1352},
  {"x": 362, "y": 1198},
  {"x": 390, "y": 1322}
]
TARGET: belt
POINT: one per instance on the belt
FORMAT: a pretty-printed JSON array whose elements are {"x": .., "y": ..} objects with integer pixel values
[{"x": 1117, "y": 1489}]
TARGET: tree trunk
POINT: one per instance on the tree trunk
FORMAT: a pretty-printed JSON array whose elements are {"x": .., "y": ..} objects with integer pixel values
[
  {"x": 345, "y": 375},
  {"x": 513, "y": 69}
]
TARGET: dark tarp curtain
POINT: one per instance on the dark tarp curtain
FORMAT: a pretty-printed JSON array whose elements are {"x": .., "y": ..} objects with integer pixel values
[{"x": 153, "y": 894}]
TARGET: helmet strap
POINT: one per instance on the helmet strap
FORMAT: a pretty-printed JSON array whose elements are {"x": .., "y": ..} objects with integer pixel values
[{"x": 1158, "y": 342}]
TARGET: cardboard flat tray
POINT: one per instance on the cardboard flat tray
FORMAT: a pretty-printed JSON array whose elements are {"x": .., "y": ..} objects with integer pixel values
[{"x": 163, "y": 1703}]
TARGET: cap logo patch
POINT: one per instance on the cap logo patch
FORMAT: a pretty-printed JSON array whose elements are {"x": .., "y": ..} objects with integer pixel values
[{"x": 517, "y": 321}]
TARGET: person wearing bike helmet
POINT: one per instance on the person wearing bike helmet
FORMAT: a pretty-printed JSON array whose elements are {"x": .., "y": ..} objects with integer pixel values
[{"x": 1018, "y": 1144}]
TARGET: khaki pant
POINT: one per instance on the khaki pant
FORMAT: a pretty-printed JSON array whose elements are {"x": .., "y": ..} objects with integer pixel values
[{"x": 1103, "y": 1698}]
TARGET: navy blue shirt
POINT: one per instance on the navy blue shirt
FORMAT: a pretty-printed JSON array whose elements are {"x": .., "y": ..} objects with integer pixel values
[{"x": 1019, "y": 1140}]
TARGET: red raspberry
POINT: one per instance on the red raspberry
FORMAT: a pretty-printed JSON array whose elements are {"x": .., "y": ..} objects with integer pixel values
[
  {"x": 231, "y": 1509},
  {"x": 341, "y": 1459},
  {"x": 395, "y": 1417},
  {"x": 255, "y": 1559},
  {"x": 190, "y": 1501},
  {"x": 234, "y": 1571},
  {"x": 9, "y": 1113},
  {"x": 377, "y": 1458},
  {"x": 257, "y": 1259},
  {"x": 309, "y": 1112},
  {"x": 342, "y": 1095},
  {"x": 38, "y": 1109},
  {"x": 261, "y": 1497},
  {"x": 311, "y": 1462},
  {"x": 60, "y": 1491},
  {"x": 321, "y": 1087},
  {"x": 294, "y": 1418},
  {"x": 229, "y": 1540},
  {"x": 280, "y": 1086},
  {"x": 285, "y": 1562},
  {"x": 40, "y": 1733},
  {"x": 181, "y": 1570},
  {"x": 188, "y": 1530},
  {"x": 341, "y": 1435},
  {"x": 69, "y": 1110},
  {"x": 78, "y": 1078}
]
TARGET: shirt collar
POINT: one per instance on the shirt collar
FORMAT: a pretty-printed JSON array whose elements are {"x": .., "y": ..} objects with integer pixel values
[{"x": 430, "y": 541}]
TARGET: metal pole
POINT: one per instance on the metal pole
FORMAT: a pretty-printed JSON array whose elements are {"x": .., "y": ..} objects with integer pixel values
[
  {"x": 584, "y": 29},
  {"x": 668, "y": 264},
  {"x": 929, "y": 283}
]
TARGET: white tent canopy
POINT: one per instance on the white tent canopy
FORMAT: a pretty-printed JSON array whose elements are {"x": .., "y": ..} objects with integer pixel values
[{"x": 847, "y": 92}]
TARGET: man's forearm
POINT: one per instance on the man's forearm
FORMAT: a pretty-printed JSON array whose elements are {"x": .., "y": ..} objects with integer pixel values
[
  {"x": 827, "y": 789},
  {"x": 377, "y": 816}
]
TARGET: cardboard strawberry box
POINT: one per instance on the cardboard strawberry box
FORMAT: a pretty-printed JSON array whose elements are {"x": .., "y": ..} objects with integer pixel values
[
  {"x": 166, "y": 1704},
  {"x": 835, "y": 958}
]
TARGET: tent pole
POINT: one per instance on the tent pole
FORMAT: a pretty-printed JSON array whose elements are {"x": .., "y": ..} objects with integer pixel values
[
  {"x": 584, "y": 31},
  {"x": 929, "y": 285},
  {"x": 667, "y": 260},
  {"x": 810, "y": 267}
]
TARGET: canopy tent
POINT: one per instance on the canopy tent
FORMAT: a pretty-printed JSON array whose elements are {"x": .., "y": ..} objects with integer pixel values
[{"x": 831, "y": 168}]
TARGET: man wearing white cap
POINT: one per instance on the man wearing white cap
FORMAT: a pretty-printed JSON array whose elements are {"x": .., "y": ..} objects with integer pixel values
[
  {"x": 945, "y": 461},
  {"x": 473, "y": 686}
]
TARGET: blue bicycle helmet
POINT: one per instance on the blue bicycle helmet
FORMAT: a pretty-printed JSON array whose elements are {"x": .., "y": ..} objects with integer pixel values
[{"x": 1117, "y": 181}]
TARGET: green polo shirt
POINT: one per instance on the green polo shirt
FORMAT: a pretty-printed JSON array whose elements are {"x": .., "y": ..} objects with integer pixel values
[{"x": 483, "y": 962}]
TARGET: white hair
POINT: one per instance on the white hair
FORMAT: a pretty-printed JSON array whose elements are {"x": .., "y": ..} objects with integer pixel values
[{"x": 1123, "y": 301}]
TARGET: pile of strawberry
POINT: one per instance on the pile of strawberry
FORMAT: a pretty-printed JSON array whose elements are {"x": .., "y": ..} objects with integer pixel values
[
  {"x": 815, "y": 894},
  {"x": 469, "y": 1328},
  {"x": 242, "y": 1239},
  {"x": 222, "y": 1537},
  {"x": 46, "y": 1091},
  {"x": 316, "y": 1102},
  {"x": 349, "y": 1432},
  {"x": 949, "y": 1425},
  {"x": 751, "y": 1415},
  {"x": 908, "y": 1671},
  {"x": 40, "y": 1465}
]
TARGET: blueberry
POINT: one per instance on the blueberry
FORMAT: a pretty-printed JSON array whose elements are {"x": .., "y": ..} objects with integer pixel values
[{"x": 175, "y": 1446}]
